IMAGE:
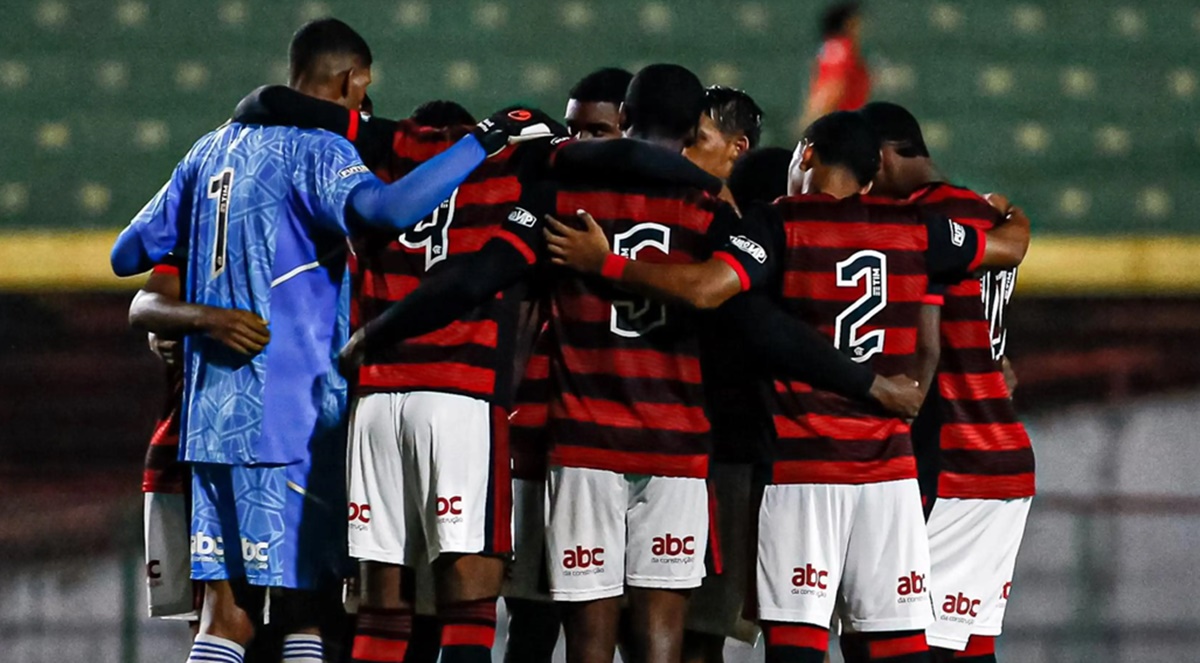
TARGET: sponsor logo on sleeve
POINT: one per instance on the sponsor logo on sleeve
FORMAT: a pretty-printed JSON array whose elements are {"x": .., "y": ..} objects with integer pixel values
[
  {"x": 749, "y": 247},
  {"x": 353, "y": 170},
  {"x": 958, "y": 234},
  {"x": 522, "y": 217}
]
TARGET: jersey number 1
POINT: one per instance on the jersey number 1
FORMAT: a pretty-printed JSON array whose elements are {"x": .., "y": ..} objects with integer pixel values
[
  {"x": 871, "y": 267},
  {"x": 219, "y": 187}
]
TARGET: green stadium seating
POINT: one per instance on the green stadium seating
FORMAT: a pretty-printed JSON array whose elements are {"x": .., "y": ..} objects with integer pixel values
[{"x": 1085, "y": 112}]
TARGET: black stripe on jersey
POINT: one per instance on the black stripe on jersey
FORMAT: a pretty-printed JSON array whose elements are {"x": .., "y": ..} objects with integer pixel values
[{"x": 998, "y": 463}]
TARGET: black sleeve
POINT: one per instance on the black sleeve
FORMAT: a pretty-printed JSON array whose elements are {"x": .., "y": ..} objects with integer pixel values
[
  {"x": 525, "y": 221},
  {"x": 463, "y": 283},
  {"x": 626, "y": 160},
  {"x": 786, "y": 347},
  {"x": 954, "y": 250},
  {"x": 277, "y": 105},
  {"x": 751, "y": 244}
]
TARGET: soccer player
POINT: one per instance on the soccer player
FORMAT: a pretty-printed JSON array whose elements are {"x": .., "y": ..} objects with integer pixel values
[
  {"x": 261, "y": 213},
  {"x": 741, "y": 426},
  {"x": 761, "y": 176},
  {"x": 981, "y": 460},
  {"x": 594, "y": 105},
  {"x": 842, "y": 497},
  {"x": 730, "y": 126}
]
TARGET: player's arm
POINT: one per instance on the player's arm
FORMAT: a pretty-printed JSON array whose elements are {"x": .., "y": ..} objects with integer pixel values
[
  {"x": 1010, "y": 375},
  {"x": 734, "y": 267},
  {"x": 955, "y": 250},
  {"x": 784, "y": 346},
  {"x": 634, "y": 161},
  {"x": 158, "y": 228},
  {"x": 158, "y": 308}
]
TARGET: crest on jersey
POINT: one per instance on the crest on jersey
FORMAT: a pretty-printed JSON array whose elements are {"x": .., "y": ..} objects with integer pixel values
[{"x": 958, "y": 234}]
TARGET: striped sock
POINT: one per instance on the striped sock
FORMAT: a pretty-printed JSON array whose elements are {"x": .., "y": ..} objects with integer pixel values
[
  {"x": 468, "y": 631},
  {"x": 382, "y": 634},
  {"x": 211, "y": 649},
  {"x": 303, "y": 648},
  {"x": 795, "y": 643}
]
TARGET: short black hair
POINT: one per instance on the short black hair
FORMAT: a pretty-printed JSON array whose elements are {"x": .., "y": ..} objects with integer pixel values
[
  {"x": 322, "y": 37},
  {"x": 844, "y": 138},
  {"x": 666, "y": 100},
  {"x": 441, "y": 113},
  {"x": 897, "y": 126},
  {"x": 836, "y": 16},
  {"x": 603, "y": 85},
  {"x": 734, "y": 112},
  {"x": 760, "y": 176}
]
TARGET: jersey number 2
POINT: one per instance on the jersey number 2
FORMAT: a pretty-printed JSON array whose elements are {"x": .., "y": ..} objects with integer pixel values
[
  {"x": 219, "y": 187},
  {"x": 871, "y": 267},
  {"x": 638, "y": 316},
  {"x": 433, "y": 232}
]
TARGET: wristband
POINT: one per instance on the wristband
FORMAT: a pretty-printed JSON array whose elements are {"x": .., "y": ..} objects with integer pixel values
[{"x": 614, "y": 266}]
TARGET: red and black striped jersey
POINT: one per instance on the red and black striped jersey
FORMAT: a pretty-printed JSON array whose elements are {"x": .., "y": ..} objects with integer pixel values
[
  {"x": 463, "y": 357},
  {"x": 985, "y": 451},
  {"x": 528, "y": 438},
  {"x": 626, "y": 390},
  {"x": 857, "y": 270}
]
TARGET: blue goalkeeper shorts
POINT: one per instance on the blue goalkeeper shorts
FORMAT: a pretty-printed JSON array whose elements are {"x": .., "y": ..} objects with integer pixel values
[{"x": 274, "y": 525}]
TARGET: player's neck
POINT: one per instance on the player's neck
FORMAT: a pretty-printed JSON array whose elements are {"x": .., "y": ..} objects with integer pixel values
[
  {"x": 673, "y": 144},
  {"x": 921, "y": 173},
  {"x": 836, "y": 182},
  {"x": 330, "y": 93}
]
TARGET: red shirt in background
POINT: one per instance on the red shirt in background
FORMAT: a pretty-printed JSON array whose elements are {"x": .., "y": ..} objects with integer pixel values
[{"x": 839, "y": 60}]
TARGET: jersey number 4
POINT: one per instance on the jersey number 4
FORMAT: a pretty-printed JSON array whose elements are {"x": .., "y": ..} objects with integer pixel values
[
  {"x": 219, "y": 187},
  {"x": 433, "y": 232},
  {"x": 638, "y": 316},
  {"x": 869, "y": 267}
]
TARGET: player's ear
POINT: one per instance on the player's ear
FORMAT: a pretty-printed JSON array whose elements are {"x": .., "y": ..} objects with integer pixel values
[
  {"x": 808, "y": 158},
  {"x": 623, "y": 121},
  {"x": 741, "y": 146},
  {"x": 866, "y": 189}
]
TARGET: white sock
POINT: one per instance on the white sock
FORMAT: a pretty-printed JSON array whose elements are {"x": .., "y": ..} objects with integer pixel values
[
  {"x": 303, "y": 648},
  {"x": 211, "y": 649}
]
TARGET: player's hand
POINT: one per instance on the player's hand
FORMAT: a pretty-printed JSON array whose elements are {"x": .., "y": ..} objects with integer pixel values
[
  {"x": 515, "y": 124},
  {"x": 999, "y": 201},
  {"x": 350, "y": 358},
  {"x": 238, "y": 330},
  {"x": 898, "y": 394},
  {"x": 169, "y": 350},
  {"x": 582, "y": 250}
]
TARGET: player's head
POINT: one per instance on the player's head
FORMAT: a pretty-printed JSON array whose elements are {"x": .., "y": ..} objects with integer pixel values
[
  {"x": 329, "y": 60},
  {"x": 760, "y": 176},
  {"x": 730, "y": 127},
  {"x": 905, "y": 161},
  {"x": 594, "y": 107},
  {"x": 839, "y": 155},
  {"x": 842, "y": 19},
  {"x": 663, "y": 104},
  {"x": 440, "y": 113}
]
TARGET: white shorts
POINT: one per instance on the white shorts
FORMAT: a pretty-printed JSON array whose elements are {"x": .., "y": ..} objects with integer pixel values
[
  {"x": 429, "y": 474},
  {"x": 973, "y": 549},
  {"x": 717, "y": 607},
  {"x": 169, "y": 586},
  {"x": 527, "y": 575},
  {"x": 859, "y": 549},
  {"x": 607, "y": 530}
]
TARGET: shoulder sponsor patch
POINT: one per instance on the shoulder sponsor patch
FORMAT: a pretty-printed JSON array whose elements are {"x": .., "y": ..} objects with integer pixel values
[
  {"x": 958, "y": 234},
  {"x": 522, "y": 217},
  {"x": 353, "y": 170},
  {"x": 750, "y": 247}
]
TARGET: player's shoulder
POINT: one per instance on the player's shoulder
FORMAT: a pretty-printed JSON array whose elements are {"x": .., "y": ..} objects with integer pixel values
[{"x": 957, "y": 202}]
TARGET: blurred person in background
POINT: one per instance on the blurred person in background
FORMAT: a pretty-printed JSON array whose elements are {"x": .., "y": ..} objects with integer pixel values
[{"x": 839, "y": 79}]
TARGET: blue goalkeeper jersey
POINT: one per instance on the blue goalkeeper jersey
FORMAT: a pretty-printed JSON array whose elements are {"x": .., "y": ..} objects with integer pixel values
[{"x": 260, "y": 213}]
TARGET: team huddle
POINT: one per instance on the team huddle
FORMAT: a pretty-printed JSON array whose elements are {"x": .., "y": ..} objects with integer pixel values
[{"x": 649, "y": 382}]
